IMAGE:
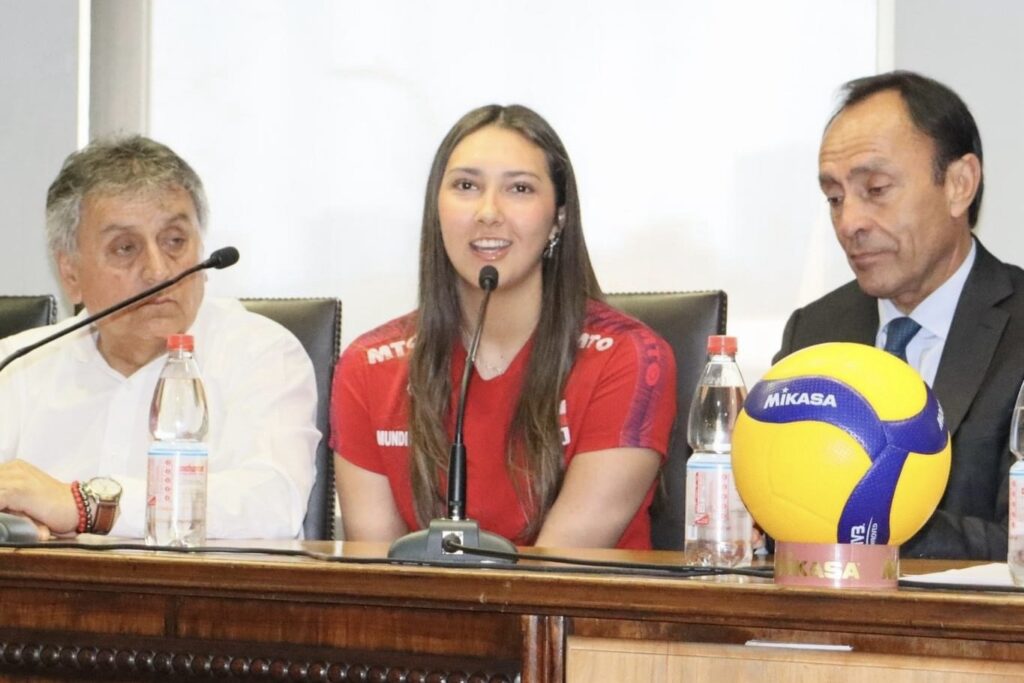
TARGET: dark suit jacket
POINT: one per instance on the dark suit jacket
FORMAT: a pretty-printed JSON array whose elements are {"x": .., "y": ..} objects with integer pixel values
[{"x": 979, "y": 375}]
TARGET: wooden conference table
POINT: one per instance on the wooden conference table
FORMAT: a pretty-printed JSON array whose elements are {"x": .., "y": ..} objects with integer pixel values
[{"x": 70, "y": 614}]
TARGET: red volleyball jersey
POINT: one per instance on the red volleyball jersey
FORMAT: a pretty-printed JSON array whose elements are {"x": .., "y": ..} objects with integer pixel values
[{"x": 620, "y": 393}]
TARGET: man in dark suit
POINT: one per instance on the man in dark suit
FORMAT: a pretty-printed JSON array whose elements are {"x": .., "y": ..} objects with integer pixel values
[{"x": 901, "y": 167}]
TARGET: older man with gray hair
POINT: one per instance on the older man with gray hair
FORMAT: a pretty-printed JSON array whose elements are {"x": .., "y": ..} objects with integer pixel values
[{"x": 122, "y": 216}]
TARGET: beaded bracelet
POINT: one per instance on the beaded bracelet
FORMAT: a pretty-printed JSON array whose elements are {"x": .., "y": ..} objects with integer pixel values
[
  {"x": 83, "y": 512},
  {"x": 90, "y": 511}
]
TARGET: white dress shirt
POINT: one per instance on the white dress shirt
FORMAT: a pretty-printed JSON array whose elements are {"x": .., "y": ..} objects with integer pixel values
[
  {"x": 934, "y": 315},
  {"x": 65, "y": 410}
]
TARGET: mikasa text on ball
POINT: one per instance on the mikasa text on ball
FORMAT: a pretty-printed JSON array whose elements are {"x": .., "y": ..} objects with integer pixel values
[{"x": 841, "y": 443}]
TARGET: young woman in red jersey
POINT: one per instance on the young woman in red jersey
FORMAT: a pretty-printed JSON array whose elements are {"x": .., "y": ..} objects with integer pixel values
[{"x": 569, "y": 413}]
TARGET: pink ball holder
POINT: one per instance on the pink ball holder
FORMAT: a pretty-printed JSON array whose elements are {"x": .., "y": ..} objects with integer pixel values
[{"x": 837, "y": 565}]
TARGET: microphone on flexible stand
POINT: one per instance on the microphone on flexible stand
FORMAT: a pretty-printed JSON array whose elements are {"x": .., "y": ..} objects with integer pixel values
[
  {"x": 17, "y": 529},
  {"x": 222, "y": 258},
  {"x": 428, "y": 545}
]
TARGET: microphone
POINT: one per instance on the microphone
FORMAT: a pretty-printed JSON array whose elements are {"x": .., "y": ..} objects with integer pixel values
[
  {"x": 221, "y": 258},
  {"x": 488, "y": 280},
  {"x": 15, "y": 529},
  {"x": 428, "y": 545}
]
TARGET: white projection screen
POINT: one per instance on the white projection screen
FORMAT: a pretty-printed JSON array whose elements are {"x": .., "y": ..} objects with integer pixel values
[{"x": 693, "y": 128}]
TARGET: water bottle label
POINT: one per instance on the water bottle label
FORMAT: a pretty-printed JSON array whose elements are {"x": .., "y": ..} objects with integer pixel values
[
  {"x": 1017, "y": 500},
  {"x": 177, "y": 481},
  {"x": 1015, "y": 549},
  {"x": 718, "y": 526},
  {"x": 711, "y": 496}
]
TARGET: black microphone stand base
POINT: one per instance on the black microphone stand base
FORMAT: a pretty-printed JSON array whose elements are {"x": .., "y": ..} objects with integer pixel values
[{"x": 427, "y": 545}]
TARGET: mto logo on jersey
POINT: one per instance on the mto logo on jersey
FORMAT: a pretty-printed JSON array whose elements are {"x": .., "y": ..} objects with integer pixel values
[
  {"x": 591, "y": 340},
  {"x": 385, "y": 352},
  {"x": 394, "y": 438}
]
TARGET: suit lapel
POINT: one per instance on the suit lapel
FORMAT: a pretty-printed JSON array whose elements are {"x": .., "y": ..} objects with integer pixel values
[
  {"x": 857, "y": 320},
  {"x": 977, "y": 327}
]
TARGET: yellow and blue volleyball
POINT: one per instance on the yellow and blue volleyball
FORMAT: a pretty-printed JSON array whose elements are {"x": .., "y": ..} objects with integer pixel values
[{"x": 841, "y": 443}]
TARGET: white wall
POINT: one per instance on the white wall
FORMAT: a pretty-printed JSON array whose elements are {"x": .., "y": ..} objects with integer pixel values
[
  {"x": 693, "y": 128},
  {"x": 119, "y": 67},
  {"x": 975, "y": 48},
  {"x": 41, "y": 121}
]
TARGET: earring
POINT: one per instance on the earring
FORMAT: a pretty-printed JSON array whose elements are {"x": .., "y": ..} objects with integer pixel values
[{"x": 549, "y": 250}]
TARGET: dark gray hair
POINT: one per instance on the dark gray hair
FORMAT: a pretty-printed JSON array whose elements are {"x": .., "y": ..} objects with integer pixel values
[
  {"x": 116, "y": 166},
  {"x": 936, "y": 111}
]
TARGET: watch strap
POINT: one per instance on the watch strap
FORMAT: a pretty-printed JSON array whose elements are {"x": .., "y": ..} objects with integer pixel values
[
  {"x": 103, "y": 516},
  {"x": 101, "y": 512}
]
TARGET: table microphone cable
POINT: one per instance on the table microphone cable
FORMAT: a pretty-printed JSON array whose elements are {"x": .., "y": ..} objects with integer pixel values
[{"x": 451, "y": 545}]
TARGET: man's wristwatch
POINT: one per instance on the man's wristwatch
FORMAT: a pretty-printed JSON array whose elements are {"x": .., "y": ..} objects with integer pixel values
[{"x": 105, "y": 494}]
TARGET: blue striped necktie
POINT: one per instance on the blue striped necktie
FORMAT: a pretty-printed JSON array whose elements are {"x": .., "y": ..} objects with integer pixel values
[{"x": 898, "y": 334}]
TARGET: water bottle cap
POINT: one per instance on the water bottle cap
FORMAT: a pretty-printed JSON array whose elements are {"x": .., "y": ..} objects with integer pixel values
[
  {"x": 719, "y": 344},
  {"x": 180, "y": 341}
]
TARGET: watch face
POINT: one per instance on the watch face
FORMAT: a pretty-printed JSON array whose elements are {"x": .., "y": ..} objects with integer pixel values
[{"x": 105, "y": 488}]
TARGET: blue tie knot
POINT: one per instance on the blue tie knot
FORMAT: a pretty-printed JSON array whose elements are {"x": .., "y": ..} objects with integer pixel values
[{"x": 898, "y": 334}]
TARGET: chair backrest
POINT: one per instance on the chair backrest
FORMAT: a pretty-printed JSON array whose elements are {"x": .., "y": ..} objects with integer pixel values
[
  {"x": 684, "y": 320},
  {"x": 19, "y": 313},
  {"x": 317, "y": 324}
]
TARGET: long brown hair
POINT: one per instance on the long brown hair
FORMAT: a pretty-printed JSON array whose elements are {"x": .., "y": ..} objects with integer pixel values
[{"x": 535, "y": 451}]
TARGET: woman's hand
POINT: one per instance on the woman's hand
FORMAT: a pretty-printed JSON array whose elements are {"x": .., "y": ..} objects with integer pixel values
[
  {"x": 600, "y": 494},
  {"x": 368, "y": 510}
]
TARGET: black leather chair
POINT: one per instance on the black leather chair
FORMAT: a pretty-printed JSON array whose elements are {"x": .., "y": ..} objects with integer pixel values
[
  {"x": 19, "y": 313},
  {"x": 317, "y": 324},
  {"x": 684, "y": 320}
]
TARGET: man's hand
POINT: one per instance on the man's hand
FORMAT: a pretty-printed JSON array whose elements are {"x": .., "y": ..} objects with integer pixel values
[
  {"x": 27, "y": 490},
  {"x": 757, "y": 538}
]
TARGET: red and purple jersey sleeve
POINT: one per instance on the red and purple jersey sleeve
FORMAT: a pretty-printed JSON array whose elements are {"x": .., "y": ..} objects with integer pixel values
[{"x": 624, "y": 384}]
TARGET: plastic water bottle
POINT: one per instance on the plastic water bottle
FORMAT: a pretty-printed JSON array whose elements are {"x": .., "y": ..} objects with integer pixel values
[
  {"x": 718, "y": 526},
  {"x": 1015, "y": 556},
  {"x": 178, "y": 418}
]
